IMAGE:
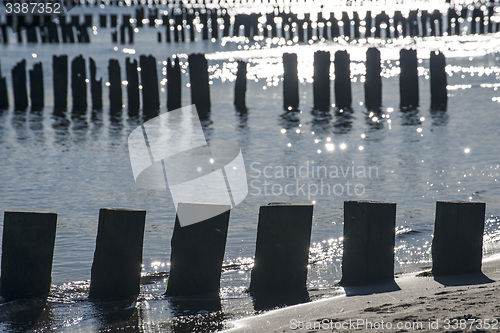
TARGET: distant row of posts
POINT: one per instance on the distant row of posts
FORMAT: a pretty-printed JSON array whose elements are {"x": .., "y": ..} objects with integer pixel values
[
  {"x": 197, "y": 253},
  {"x": 179, "y": 24},
  {"x": 200, "y": 87}
]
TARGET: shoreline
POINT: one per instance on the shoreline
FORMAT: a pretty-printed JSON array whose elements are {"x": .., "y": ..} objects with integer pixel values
[{"x": 463, "y": 302}]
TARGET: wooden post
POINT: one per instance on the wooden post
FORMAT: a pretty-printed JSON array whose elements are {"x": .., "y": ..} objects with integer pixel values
[
  {"x": 439, "y": 92},
  {"x": 290, "y": 82},
  {"x": 78, "y": 84},
  {"x": 60, "y": 81},
  {"x": 4, "y": 96},
  {"x": 95, "y": 87},
  {"x": 27, "y": 251},
  {"x": 343, "y": 95},
  {"x": 457, "y": 245},
  {"x": 19, "y": 85},
  {"x": 408, "y": 79},
  {"x": 282, "y": 249},
  {"x": 369, "y": 238},
  {"x": 200, "y": 87},
  {"x": 115, "y": 85},
  {"x": 116, "y": 270},
  {"x": 373, "y": 81},
  {"x": 198, "y": 252},
  {"x": 241, "y": 86},
  {"x": 174, "y": 87},
  {"x": 321, "y": 78},
  {"x": 132, "y": 86},
  {"x": 36, "y": 87},
  {"x": 149, "y": 82}
]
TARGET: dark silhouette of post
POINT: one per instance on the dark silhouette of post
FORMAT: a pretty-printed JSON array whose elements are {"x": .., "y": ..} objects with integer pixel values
[
  {"x": 282, "y": 249},
  {"x": 457, "y": 245},
  {"x": 343, "y": 95},
  {"x": 27, "y": 251},
  {"x": 174, "y": 87},
  {"x": 115, "y": 85},
  {"x": 78, "y": 84},
  {"x": 4, "y": 96},
  {"x": 198, "y": 252},
  {"x": 373, "y": 81},
  {"x": 290, "y": 82},
  {"x": 132, "y": 86},
  {"x": 321, "y": 80},
  {"x": 36, "y": 87},
  {"x": 95, "y": 87},
  {"x": 60, "y": 81},
  {"x": 149, "y": 82},
  {"x": 200, "y": 87},
  {"x": 369, "y": 238},
  {"x": 19, "y": 86},
  {"x": 240, "y": 86},
  {"x": 439, "y": 92},
  {"x": 408, "y": 78},
  {"x": 116, "y": 270}
]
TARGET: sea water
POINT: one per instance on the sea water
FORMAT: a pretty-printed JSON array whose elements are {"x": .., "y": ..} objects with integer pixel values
[{"x": 74, "y": 165}]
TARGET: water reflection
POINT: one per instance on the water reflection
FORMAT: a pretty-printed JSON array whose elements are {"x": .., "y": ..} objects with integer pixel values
[
  {"x": 60, "y": 125},
  {"x": 20, "y": 126},
  {"x": 343, "y": 120},
  {"x": 374, "y": 117},
  {"x": 25, "y": 315},
  {"x": 36, "y": 126},
  {"x": 268, "y": 301},
  {"x": 196, "y": 314},
  {"x": 439, "y": 117},
  {"x": 321, "y": 121},
  {"x": 410, "y": 117},
  {"x": 80, "y": 126},
  {"x": 122, "y": 315},
  {"x": 289, "y": 119}
]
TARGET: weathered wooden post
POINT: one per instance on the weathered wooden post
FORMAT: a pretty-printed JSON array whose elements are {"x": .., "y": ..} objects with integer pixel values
[
  {"x": 439, "y": 92},
  {"x": 19, "y": 86},
  {"x": 408, "y": 78},
  {"x": 149, "y": 82},
  {"x": 132, "y": 86},
  {"x": 343, "y": 95},
  {"x": 95, "y": 87},
  {"x": 200, "y": 87},
  {"x": 290, "y": 82},
  {"x": 373, "y": 81},
  {"x": 27, "y": 251},
  {"x": 457, "y": 245},
  {"x": 198, "y": 252},
  {"x": 36, "y": 87},
  {"x": 282, "y": 249},
  {"x": 116, "y": 270},
  {"x": 60, "y": 81},
  {"x": 369, "y": 238},
  {"x": 115, "y": 85},
  {"x": 4, "y": 96},
  {"x": 321, "y": 80},
  {"x": 174, "y": 87},
  {"x": 241, "y": 86},
  {"x": 79, "y": 84}
]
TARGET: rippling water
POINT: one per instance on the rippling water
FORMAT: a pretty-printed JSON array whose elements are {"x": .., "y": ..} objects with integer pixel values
[{"x": 75, "y": 165}]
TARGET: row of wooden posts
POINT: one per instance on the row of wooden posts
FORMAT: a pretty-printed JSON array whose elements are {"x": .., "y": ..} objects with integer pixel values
[
  {"x": 197, "y": 251},
  {"x": 179, "y": 25},
  {"x": 200, "y": 87}
]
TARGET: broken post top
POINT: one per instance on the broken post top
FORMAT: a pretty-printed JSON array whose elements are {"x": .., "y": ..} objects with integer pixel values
[{"x": 275, "y": 204}]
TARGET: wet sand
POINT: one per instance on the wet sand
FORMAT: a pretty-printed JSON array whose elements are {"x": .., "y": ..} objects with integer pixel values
[{"x": 465, "y": 303}]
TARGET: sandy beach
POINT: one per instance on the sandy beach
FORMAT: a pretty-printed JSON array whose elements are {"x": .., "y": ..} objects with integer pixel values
[{"x": 465, "y": 303}]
